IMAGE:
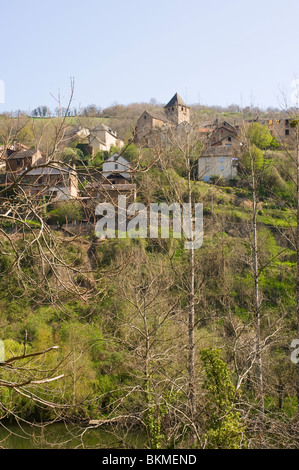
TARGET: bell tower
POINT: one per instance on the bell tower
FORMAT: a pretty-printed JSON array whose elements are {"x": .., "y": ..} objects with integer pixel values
[{"x": 177, "y": 111}]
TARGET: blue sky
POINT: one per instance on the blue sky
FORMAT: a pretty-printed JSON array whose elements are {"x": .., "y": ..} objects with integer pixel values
[{"x": 214, "y": 52}]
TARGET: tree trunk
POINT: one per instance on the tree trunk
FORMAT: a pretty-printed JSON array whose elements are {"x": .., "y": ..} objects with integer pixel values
[
  {"x": 257, "y": 299},
  {"x": 191, "y": 321},
  {"x": 297, "y": 280}
]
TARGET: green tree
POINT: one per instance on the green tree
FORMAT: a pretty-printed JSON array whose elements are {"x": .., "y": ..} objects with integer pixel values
[
  {"x": 256, "y": 155},
  {"x": 72, "y": 155},
  {"x": 259, "y": 135},
  {"x": 225, "y": 429}
]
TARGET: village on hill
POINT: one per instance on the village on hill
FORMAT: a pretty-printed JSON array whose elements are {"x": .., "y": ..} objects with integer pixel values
[{"x": 67, "y": 176}]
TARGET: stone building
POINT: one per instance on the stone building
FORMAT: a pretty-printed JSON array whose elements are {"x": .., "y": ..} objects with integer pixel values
[
  {"x": 115, "y": 180},
  {"x": 281, "y": 128},
  {"x": 217, "y": 161},
  {"x": 177, "y": 111},
  {"x": 57, "y": 182},
  {"x": 21, "y": 160},
  {"x": 97, "y": 138},
  {"x": 220, "y": 157},
  {"x": 224, "y": 134},
  {"x": 152, "y": 129},
  {"x": 103, "y": 138}
]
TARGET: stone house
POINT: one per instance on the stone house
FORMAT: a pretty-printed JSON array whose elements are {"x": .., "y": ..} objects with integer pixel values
[
  {"x": 115, "y": 180},
  {"x": 220, "y": 157},
  {"x": 98, "y": 138},
  {"x": 217, "y": 160},
  {"x": 280, "y": 128},
  {"x": 103, "y": 138},
  {"x": 21, "y": 160},
  {"x": 59, "y": 183},
  {"x": 224, "y": 135}
]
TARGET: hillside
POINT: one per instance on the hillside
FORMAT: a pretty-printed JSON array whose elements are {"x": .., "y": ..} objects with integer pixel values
[{"x": 119, "y": 310}]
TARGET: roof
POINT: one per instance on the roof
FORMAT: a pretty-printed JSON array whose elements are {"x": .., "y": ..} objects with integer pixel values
[
  {"x": 205, "y": 130},
  {"x": 226, "y": 125},
  {"x": 156, "y": 116},
  {"x": 218, "y": 151},
  {"x": 176, "y": 100},
  {"x": 116, "y": 157},
  {"x": 110, "y": 186},
  {"x": 22, "y": 154},
  {"x": 102, "y": 126},
  {"x": 51, "y": 170}
]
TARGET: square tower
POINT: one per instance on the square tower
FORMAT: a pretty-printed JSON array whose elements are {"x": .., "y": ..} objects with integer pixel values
[{"x": 177, "y": 111}]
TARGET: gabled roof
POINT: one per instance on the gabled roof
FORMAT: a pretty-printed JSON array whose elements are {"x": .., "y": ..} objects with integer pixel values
[
  {"x": 176, "y": 100},
  {"x": 226, "y": 125},
  {"x": 156, "y": 116},
  {"x": 51, "y": 170},
  {"x": 115, "y": 158},
  {"x": 102, "y": 127},
  {"x": 22, "y": 154}
]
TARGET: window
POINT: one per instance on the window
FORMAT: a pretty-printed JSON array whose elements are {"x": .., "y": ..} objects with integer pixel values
[
  {"x": 287, "y": 122},
  {"x": 207, "y": 159},
  {"x": 207, "y": 169},
  {"x": 18, "y": 162},
  {"x": 222, "y": 167},
  {"x": 222, "y": 159},
  {"x": 144, "y": 117},
  {"x": 287, "y": 132},
  {"x": 116, "y": 166},
  {"x": 229, "y": 139}
]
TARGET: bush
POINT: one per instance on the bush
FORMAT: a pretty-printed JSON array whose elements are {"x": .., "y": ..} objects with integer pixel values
[{"x": 65, "y": 212}]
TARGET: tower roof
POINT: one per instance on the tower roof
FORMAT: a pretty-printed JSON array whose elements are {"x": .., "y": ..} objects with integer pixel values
[{"x": 176, "y": 100}]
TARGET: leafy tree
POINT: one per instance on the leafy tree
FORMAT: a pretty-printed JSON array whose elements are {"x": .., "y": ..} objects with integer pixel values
[
  {"x": 225, "y": 427},
  {"x": 70, "y": 155},
  {"x": 259, "y": 135},
  {"x": 257, "y": 156},
  {"x": 131, "y": 153},
  {"x": 98, "y": 160}
]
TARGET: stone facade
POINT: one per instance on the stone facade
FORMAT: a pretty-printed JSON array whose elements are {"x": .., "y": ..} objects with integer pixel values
[
  {"x": 103, "y": 138},
  {"x": 218, "y": 161},
  {"x": 60, "y": 183},
  {"x": 115, "y": 180},
  {"x": 177, "y": 111},
  {"x": 280, "y": 128},
  {"x": 20, "y": 160},
  {"x": 152, "y": 129}
]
